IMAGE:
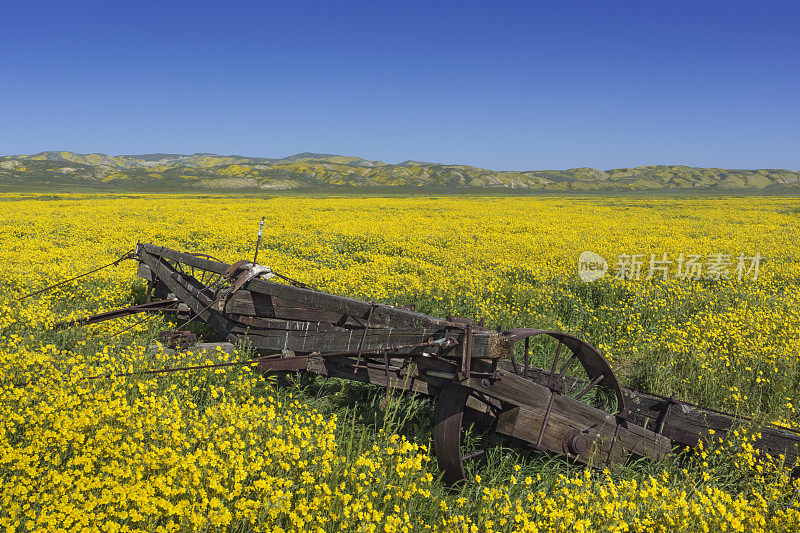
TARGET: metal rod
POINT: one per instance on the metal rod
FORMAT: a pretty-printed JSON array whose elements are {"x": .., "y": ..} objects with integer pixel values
[
  {"x": 473, "y": 455},
  {"x": 525, "y": 371},
  {"x": 663, "y": 419},
  {"x": 258, "y": 242},
  {"x": 158, "y": 306},
  {"x": 610, "y": 458},
  {"x": 467, "y": 356},
  {"x": 128, "y": 255},
  {"x": 386, "y": 368},
  {"x": 546, "y": 418},
  {"x": 550, "y": 380},
  {"x": 363, "y": 337},
  {"x": 594, "y": 382},
  {"x": 566, "y": 366}
]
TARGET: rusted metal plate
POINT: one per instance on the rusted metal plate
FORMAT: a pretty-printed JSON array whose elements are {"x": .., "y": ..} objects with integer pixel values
[{"x": 447, "y": 421}]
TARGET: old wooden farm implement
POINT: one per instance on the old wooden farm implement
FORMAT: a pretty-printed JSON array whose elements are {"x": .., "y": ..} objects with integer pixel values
[{"x": 544, "y": 389}]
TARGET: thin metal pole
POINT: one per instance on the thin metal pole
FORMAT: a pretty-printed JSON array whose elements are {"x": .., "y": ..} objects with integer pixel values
[
  {"x": 525, "y": 371},
  {"x": 258, "y": 242}
]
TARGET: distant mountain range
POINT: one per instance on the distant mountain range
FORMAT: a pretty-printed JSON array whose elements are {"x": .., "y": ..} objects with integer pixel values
[{"x": 196, "y": 172}]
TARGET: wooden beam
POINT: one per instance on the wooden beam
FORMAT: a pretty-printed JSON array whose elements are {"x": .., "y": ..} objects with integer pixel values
[
  {"x": 610, "y": 439},
  {"x": 485, "y": 343},
  {"x": 384, "y": 314},
  {"x": 684, "y": 424},
  {"x": 183, "y": 289},
  {"x": 187, "y": 259}
]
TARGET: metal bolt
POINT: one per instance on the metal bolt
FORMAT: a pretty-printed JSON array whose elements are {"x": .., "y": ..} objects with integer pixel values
[
  {"x": 485, "y": 383},
  {"x": 576, "y": 442}
]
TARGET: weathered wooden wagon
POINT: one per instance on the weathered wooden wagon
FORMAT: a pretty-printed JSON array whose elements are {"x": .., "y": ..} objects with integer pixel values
[{"x": 546, "y": 390}]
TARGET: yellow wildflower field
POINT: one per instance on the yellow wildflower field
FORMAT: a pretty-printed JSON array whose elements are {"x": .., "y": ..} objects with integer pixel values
[{"x": 227, "y": 450}]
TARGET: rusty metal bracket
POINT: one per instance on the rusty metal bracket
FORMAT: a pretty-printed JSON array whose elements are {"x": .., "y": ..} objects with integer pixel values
[
  {"x": 177, "y": 339},
  {"x": 364, "y": 337},
  {"x": 466, "y": 355},
  {"x": 538, "y": 446},
  {"x": 670, "y": 402}
]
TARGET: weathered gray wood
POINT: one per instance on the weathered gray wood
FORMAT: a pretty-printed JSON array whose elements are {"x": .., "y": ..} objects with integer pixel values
[
  {"x": 256, "y": 304},
  {"x": 144, "y": 272},
  {"x": 276, "y": 324},
  {"x": 280, "y": 364},
  {"x": 248, "y": 303},
  {"x": 181, "y": 287},
  {"x": 186, "y": 259},
  {"x": 567, "y": 414},
  {"x": 308, "y": 341},
  {"x": 383, "y": 314},
  {"x": 485, "y": 343},
  {"x": 688, "y": 425},
  {"x": 684, "y": 424},
  {"x": 525, "y": 423},
  {"x": 403, "y": 374}
]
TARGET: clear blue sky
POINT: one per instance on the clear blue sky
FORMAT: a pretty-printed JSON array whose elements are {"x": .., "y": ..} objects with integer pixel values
[{"x": 502, "y": 85}]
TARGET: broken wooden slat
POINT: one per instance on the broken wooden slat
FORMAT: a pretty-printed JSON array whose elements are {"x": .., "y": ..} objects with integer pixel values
[
  {"x": 484, "y": 345},
  {"x": 685, "y": 424},
  {"x": 182, "y": 288},
  {"x": 566, "y": 415},
  {"x": 249, "y": 303},
  {"x": 384, "y": 314}
]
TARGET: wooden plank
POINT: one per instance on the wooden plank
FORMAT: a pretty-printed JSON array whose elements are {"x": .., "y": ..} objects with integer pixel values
[
  {"x": 186, "y": 259},
  {"x": 308, "y": 341},
  {"x": 279, "y": 364},
  {"x": 485, "y": 343},
  {"x": 384, "y": 314},
  {"x": 403, "y": 374},
  {"x": 685, "y": 424},
  {"x": 567, "y": 414},
  {"x": 250, "y": 303},
  {"x": 177, "y": 284},
  {"x": 275, "y": 324},
  {"x": 688, "y": 425},
  {"x": 144, "y": 272}
]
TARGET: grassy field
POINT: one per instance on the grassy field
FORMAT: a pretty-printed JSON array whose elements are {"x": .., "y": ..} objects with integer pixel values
[{"x": 228, "y": 450}]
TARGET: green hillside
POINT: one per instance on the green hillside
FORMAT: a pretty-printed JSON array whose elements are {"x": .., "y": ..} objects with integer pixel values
[{"x": 303, "y": 171}]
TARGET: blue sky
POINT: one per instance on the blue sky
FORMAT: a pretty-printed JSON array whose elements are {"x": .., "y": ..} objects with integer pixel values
[{"x": 501, "y": 85}]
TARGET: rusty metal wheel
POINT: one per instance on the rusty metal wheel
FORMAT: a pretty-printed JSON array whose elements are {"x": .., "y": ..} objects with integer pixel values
[
  {"x": 562, "y": 362},
  {"x": 458, "y": 412},
  {"x": 567, "y": 365}
]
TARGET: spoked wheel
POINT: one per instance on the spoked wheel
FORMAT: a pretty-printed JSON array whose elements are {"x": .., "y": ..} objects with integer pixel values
[
  {"x": 452, "y": 420},
  {"x": 565, "y": 364},
  {"x": 568, "y": 366}
]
